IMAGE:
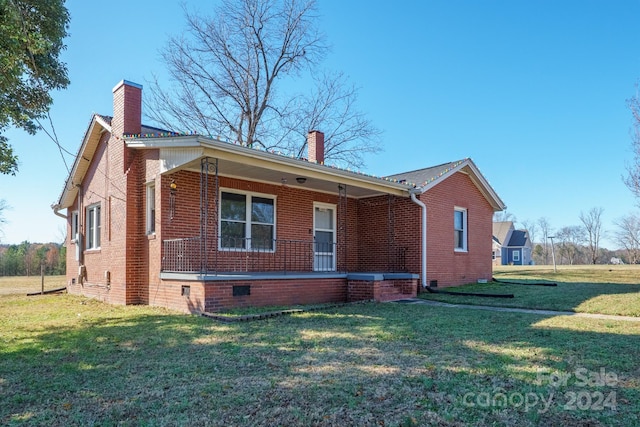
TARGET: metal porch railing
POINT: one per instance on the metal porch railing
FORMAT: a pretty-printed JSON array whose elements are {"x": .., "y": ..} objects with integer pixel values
[{"x": 247, "y": 255}]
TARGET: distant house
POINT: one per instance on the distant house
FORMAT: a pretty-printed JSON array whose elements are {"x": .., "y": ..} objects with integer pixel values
[
  {"x": 194, "y": 223},
  {"x": 510, "y": 246}
]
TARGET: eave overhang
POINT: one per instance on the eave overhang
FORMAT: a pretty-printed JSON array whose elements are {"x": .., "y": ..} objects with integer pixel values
[
  {"x": 97, "y": 126},
  {"x": 236, "y": 161},
  {"x": 469, "y": 168}
]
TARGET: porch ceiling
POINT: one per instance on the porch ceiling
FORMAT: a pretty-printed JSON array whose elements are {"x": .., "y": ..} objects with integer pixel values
[
  {"x": 186, "y": 153},
  {"x": 288, "y": 178}
]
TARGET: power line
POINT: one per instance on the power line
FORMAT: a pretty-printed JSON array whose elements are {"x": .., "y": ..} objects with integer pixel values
[{"x": 36, "y": 73}]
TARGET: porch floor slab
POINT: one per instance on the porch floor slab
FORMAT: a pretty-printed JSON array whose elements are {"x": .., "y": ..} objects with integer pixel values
[{"x": 230, "y": 276}]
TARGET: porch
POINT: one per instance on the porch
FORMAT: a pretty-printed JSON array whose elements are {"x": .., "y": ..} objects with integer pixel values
[
  {"x": 277, "y": 272},
  {"x": 243, "y": 231}
]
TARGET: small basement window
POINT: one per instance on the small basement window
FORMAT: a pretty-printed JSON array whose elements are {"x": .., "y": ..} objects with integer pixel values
[{"x": 240, "y": 291}]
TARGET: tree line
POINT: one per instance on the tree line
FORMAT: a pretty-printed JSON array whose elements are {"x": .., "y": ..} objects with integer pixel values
[
  {"x": 581, "y": 243},
  {"x": 28, "y": 259}
]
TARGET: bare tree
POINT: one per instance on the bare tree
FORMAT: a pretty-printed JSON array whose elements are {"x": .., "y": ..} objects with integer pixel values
[
  {"x": 570, "y": 239},
  {"x": 545, "y": 228},
  {"x": 632, "y": 180},
  {"x": 502, "y": 216},
  {"x": 592, "y": 222},
  {"x": 330, "y": 107},
  {"x": 627, "y": 235},
  {"x": 228, "y": 72},
  {"x": 61, "y": 235},
  {"x": 532, "y": 229},
  {"x": 3, "y": 206}
]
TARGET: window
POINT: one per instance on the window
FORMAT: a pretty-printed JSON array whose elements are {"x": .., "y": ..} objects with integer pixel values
[
  {"x": 247, "y": 221},
  {"x": 494, "y": 255},
  {"x": 460, "y": 229},
  {"x": 516, "y": 256},
  {"x": 74, "y": 226},
  {"x": 151, "y": 208},
  {"x": 93, "y": 227}
]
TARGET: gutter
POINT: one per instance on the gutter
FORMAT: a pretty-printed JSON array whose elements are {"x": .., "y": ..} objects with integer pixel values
[
  {"x": 423, "y": 237},
  {"x": 56, "y": 210},
  {"x": 270, "y": 160}
]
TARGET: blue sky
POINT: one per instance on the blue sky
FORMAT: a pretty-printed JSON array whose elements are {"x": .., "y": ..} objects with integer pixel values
[{"x": 533, "y": 91}]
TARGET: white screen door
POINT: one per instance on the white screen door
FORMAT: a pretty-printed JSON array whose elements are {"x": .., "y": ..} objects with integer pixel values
[{"x": 324, "y": 236}]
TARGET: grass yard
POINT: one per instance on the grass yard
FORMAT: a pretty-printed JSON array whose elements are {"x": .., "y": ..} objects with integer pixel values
[
  {"x": 25, "y": 285},
  {"x": 587, "y": 289},
  {"x": 66, "y": 360},
  {"x": 621, "y": 274}
]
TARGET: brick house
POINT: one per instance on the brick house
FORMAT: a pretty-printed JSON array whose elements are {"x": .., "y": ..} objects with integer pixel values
[{"x": 196, "y": 224}]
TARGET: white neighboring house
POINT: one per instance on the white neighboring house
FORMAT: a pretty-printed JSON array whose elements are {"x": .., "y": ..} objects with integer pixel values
[{"x": 510, "y": 246}]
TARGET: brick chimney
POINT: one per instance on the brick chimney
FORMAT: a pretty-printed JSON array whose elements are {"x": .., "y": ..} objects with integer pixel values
[
  {"x": 127, "y": 108},
  {"x": 315, "y": 146}
]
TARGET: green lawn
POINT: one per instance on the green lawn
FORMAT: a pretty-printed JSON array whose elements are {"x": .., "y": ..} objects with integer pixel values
[
  {"x": 66, "y": 360},
  {"x": 623, "y": 274},
  {"x": 587, "y": 289},
  {"x": 24, "y": 285}
]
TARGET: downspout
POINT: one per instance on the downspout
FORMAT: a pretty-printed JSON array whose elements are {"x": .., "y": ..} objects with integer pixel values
[
  {"x": 56, "y": 211},
  {"x": 423, "y": 236}
]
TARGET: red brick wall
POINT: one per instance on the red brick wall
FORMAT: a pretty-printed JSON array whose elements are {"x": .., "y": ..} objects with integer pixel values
[
  {"x": 115, "y": 179},
  {"x": 99, "y": 292},
  {"x": 444, "y": 264},
  {"x": 373, "y": 233},
  {"x": 218, "y": 295},
  {"x": 275, "y": 292},
  {"x": 168, "y": 293},
  {"x": 96, "y": 188},
  {"x": 381, "y": 290},
  {"x": 360, "y": 290},
  {"x": 389, "y": 226},
  {"x": 152, "y": 243},
  {"x": 389, "y": 230}
]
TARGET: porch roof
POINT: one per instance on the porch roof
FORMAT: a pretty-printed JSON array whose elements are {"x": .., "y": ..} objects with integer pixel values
[{"x": 185, "y": 152}]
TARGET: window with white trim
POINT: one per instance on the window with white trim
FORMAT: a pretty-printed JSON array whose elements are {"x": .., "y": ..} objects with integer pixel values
[
  {"x": 516, "y": 256},
  {"x": 75, "y": 218},
  {"x": 460, "y": 229},
  {"x": 247, "y": 221},
  {"x": 151, "y": 208},
  {"x": 93, "y": 226}
]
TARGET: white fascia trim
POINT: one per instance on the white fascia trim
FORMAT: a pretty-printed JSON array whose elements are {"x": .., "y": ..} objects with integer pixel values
[
  {"x": 290, "y": 164},
  {"x": 103, "y": 123},
  {"x": 497, "y": 202},
  {"x": 70, "y": 190},
  {"x": 171, "y": 142}
]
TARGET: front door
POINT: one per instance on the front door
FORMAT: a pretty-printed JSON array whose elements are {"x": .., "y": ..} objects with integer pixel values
[{"x": 324, "y": 237}]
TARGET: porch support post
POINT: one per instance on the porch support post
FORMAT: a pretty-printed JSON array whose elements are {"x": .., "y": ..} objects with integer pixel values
[
  {"x": 208, "y": 166},
  {"x": 343, "y": 205},
  {"x": 391, "y": 250}
]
